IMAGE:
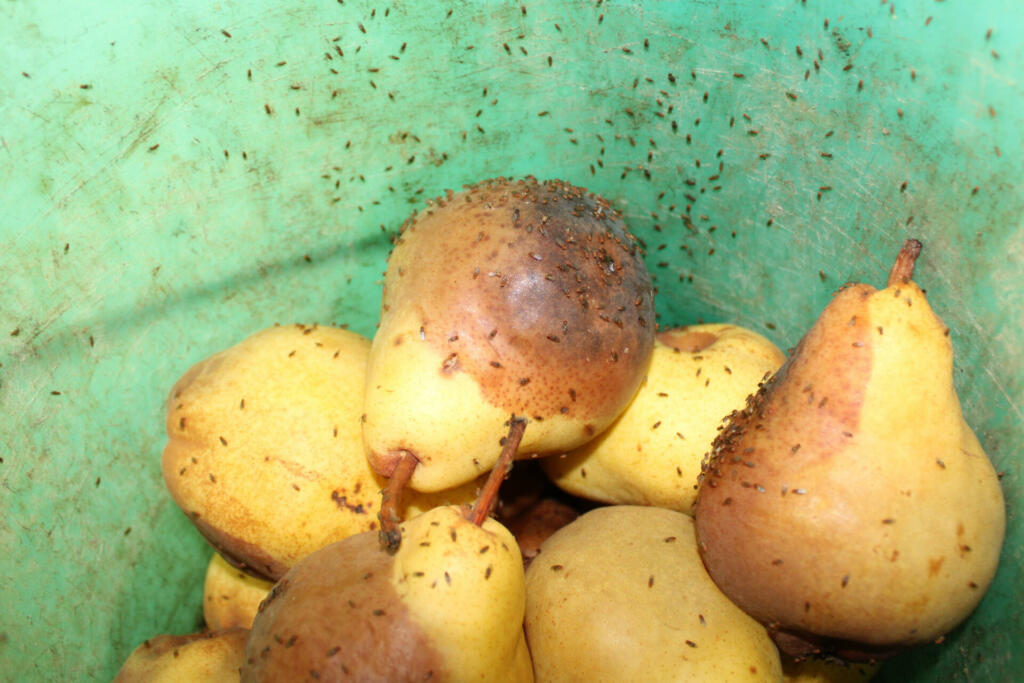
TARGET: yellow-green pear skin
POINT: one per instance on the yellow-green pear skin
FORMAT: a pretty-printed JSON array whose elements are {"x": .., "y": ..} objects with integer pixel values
[
  {"x": 652, "y": 454},
  {"x": 446, "y": 606},
  {"x": 849, "y": 506},
  {"x": 208, "y": 657},
  {"x": 620, "y": 594},
  {"x": 512, "y": 297},
  {"x": 231, "y": 596},
  {"x": 464, "y": 585},
  {"x": 265, "y": 452},
  {"x": 814, "y": 669}
]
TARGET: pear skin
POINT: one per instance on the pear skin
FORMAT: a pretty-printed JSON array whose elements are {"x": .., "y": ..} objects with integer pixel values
[
  {"x": 827, "y": 670},
  {"x": 620, "y": 594},
  {"x": 652, "y": 454},
  {"x": 511, "y": 298},
  {"x": 538, "y": 523},
  {"x": 446, "y": 606},
  {"x": 231, "y": 596},
  {"x": 265, "y": 452},
  {"x": 211, "y": 657},
  {"x": 849, "y": 506},
  {"x": 464, "y": 584}
]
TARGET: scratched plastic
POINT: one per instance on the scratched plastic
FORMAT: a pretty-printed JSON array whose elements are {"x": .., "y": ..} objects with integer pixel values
[{"x": 175, "y": 176}]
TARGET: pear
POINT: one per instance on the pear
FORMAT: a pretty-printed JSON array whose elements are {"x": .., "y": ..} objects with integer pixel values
[
  {"x": 620, "y": 594},
  {"x": 651, "y": 455},
  {"x": 535, "y": 524},
  {"x": 513, "y": 302},
  {"x": 264, "y": 450},
  {"x": 814, "y": 669},
  {"x": 849, "y": 506},
  {"x": 231, "y": 596},
  {"x": 446, "y": 606},
  {"x": 210, "y": 657}
]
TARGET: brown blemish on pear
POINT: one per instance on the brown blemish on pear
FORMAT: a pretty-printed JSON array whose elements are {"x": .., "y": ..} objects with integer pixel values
[
  {"x": 837, "y": 399},
  {"x": 687, "y": 341},
  {"x": 239, "y": 553},
  {"x": 525, "y": 288},
  {"x": 540, "y": 278},
  {"x": 797, "y": 480},
  {"x": 337, "y": 614},
  {"x": 799, "y": 644}
]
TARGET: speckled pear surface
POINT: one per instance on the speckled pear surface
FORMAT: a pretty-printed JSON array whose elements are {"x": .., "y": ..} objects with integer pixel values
[
  {"x": 447, "y": 606},
  {"x": 155, "y": 212},
  {"x": 620, "y": 594},
  {"x": 264, "y": 451},
  {"x": 651, "y": 455},
  {"x": 211, "y": 656},
  {"x": 849, "y": 505},
  {"x": 521, "y": 298},
  {"x": 231, "y": 596}
]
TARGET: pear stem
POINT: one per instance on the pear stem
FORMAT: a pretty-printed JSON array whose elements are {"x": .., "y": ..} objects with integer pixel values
[
  {"x": 903, "y": 268},
  {"x": 484, "y": 505},
  {"x": 391, "y": 501}
]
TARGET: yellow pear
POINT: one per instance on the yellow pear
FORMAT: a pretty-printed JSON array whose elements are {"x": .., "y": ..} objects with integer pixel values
[
  {"x": 209, "y": 657},
  {"x": 446, "y": 606},
  {"x": 849, "y": 506},
  {"x": 620, "y": 594},
  {"x": 827, "y": 670},
  {"x": 230, "y": 595},
  {"x": 264, "y": 450},
  {"x": 651, "y": 455},
  {"x": 513, "y": 300}
]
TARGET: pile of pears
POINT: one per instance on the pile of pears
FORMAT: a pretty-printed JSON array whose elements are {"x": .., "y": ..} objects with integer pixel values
[{"x": 520, "y": 477}]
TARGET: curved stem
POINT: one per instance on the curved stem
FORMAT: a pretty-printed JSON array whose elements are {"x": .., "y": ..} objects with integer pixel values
[
  {"x": 484, "y": 505},
  {"x": 903, "y": 268},
  {"x": 391, "y": 502}
]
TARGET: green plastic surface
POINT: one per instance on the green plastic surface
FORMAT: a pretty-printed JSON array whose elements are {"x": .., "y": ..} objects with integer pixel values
[{"x": 177, "y": 175}]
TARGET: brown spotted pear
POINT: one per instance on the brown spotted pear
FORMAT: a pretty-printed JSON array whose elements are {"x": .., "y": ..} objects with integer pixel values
[
  {"x": 513, "y": 300},
  {"x": 447, "y": 605},
  {"x": 849, "y": 506}
]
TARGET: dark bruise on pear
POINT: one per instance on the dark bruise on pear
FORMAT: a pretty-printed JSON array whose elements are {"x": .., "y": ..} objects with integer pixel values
[
  {"x": 240, "y": 553},
  {"x": 727, "y": 458},
  {"x": 541, "y": 275},
  {"x": 336, "y": 616},
  {"x": 724, "y": 449},
  {"x": 802, "y": 427},
  {"x": 544, "y": 276}
]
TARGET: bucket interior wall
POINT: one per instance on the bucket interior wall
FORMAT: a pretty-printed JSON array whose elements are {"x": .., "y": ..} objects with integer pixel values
[{"x": 176, "y": 176}]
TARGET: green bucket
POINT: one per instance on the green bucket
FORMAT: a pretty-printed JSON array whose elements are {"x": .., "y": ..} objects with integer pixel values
[{"x": 175, "y": 176}]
